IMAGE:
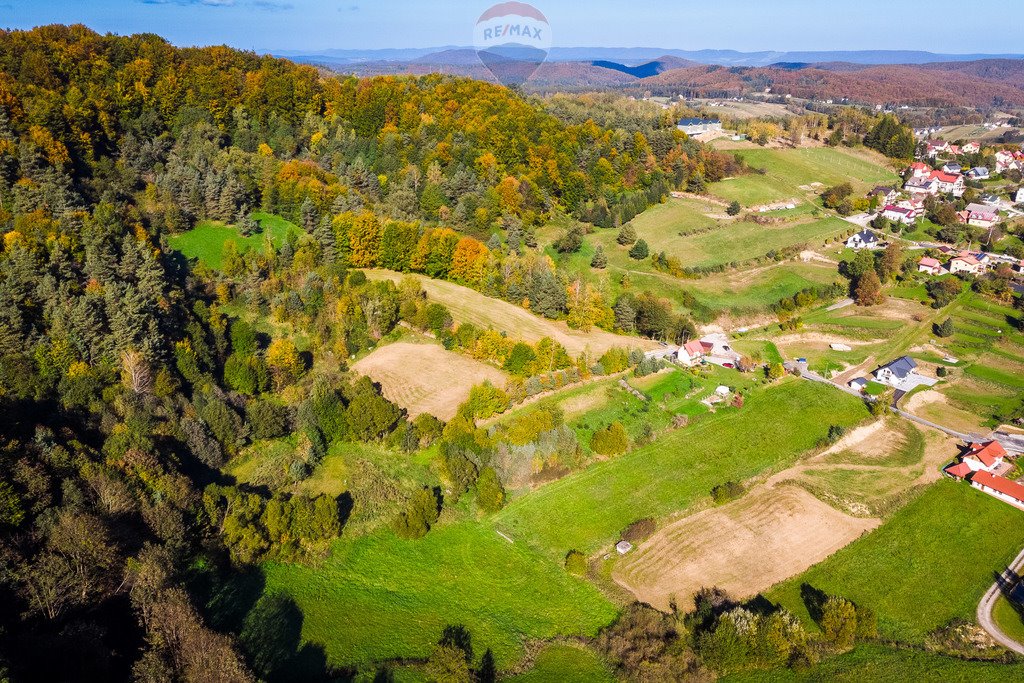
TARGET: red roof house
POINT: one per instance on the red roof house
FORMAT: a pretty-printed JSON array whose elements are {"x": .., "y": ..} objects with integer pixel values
[
  {"x": 959, "y": 470},
  {"x": 990, "y": 453},
  {"x": 1000, "y": 487}
]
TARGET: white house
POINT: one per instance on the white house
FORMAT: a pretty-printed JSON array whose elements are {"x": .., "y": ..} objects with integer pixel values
[
  {"x": 919, "y": 169},
  {"x": 972, "y": 148},
  {"x": 934, "y": 147},
  {"x": 931, "y": 266},
  {"x": 979, "y": 173},
  {"x": 999, "y": 487},
  {"x": 699, "y": 126},
  {"x": 865, "y": 239},
  {"x": 899, "y": 214},
  {"x": 896, "y": 372},
  {"x": 981, "y": 216},
  {"x": 952, "y": 167},
  {"x": 966, "y": 263},
  {"x": 922, "y": 186},
  {"x": 886, "y": 195},
  {"x": 1019, "y": 198},
  {"x": 986, "y": 456},
  {"x": 949, "y": 183}
]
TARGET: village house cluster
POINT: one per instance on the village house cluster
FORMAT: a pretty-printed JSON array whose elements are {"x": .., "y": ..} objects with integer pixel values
[{"x": 983, "y": 464}]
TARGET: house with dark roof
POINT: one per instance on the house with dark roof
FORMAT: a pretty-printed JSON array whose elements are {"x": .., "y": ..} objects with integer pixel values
[
  {"x": 896, "y": 372},
  {"x": 865, "y": 239}
]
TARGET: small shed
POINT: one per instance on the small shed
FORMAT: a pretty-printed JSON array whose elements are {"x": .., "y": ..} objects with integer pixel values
[
  {"x": 858, "y": 383},
  {"x": 623, "y": 547},
  {"x": 722, "y": 390}
]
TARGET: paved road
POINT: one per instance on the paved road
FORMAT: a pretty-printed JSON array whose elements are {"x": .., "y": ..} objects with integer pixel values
[
  {"x": 927, "y": 423},
  {"x": 1008, "y": 577}
]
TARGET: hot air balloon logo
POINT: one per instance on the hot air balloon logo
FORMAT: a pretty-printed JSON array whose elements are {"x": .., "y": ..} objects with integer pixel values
[{"x": 512, "y": 39}]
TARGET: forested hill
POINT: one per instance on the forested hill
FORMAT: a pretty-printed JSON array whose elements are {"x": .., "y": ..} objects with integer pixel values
[{"x": 129, "y": 377}]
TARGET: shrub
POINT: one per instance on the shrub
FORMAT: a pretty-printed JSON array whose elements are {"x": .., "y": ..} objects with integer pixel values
[
  {"x": 611, "y": 440},
  {"x": 267, "y": 420},
  {"x": 723, "y": 493},
  {"x": 839, "y": 623},
  {"x": 942, "y": 371},
  {"x": 639, "y": 530},
  {"x": 490, "y": 495},
  {"x": 576, "y": 562},
  {"x": 734, "y": 209},
  {"x": 945, "y": 329}
]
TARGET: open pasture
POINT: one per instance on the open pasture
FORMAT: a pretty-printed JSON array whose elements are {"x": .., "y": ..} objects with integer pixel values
[
  {"x": 206, "y": 241},
  {"x": 426, "y": 378},
  {"x": 379, "y": 597}
]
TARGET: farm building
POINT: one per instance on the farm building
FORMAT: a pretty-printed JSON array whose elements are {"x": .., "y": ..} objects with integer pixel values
[
  {"x": 714, "y": 348},
  {"x": 699, "y": 126},
  {"x": 985, "y": 456}
]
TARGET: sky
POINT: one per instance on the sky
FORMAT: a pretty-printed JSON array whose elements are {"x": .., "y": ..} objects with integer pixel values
[{"x": 746, "y": 25}]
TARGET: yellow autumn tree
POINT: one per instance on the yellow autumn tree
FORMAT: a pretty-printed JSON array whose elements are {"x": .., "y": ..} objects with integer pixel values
[
  {"x": 468, "y": 261},
  {"x": 284, "y": 362},
  {"x": 364, "y": 241}
]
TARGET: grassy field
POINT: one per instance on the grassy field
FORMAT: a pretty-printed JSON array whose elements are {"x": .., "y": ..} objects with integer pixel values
[
  {"x": 379, "y": 597},
  {"x": 206, "y": 241},
  {"x": 750, "y": 291},
  {"x": 882, "y": 664},
  {"x": 790, "y": 171},
  {"x": 1008, "y": 619},
  {"x": 774, "y": 427},
  {"x": 931, "y": 562},
  {"x": 566, "y": 664}
]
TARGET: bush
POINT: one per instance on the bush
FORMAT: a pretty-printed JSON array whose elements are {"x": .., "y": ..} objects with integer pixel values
[
  {"x": 734, "y": 209},
  {"x": 723, "y": 493},
  {"x": 576, "y": 562},
  {"x": 490, "y": 495},
  {"x": 942, "y": 371},
  {"x": 639, "y": 530},
  {"x": 611, "y": 440},
  {"x": 945, "y": 328},
  {"x": 839, "y": 623},
  {"x": 420, "y": 514},
  {"x": 569, "y": 242}
]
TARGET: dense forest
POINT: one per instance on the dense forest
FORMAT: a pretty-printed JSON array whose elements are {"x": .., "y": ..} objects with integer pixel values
[{"x": 129, "y": 376}]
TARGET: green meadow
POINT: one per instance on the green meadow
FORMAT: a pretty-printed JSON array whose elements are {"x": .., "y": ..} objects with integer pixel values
[
  {"x": 929, "y": 563},
  {"x": 379, "y": 597},
  {"x": 206, "y": 241}
]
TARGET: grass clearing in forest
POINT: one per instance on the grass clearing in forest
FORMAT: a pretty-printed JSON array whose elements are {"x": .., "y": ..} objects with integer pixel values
[
  {"x": 205, "y": 242},
  {"x": 588, "y": 509},
  {"x": 566, "y": 664}
]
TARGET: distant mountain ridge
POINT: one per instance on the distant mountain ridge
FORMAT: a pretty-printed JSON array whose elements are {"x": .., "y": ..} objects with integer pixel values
[{"x": 639, "y": 55}]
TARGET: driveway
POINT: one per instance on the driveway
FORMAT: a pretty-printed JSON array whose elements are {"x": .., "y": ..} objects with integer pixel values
[{"x": 1004, "y": 583}]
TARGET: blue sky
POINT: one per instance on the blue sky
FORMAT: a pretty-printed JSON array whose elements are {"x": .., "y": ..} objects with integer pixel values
[{"x": 683, "y": 24}]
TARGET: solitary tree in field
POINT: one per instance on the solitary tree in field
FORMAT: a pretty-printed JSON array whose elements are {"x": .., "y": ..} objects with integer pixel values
[
  {"x": 945, "y": 328},
  {"x": 600, "y": 260},
  {"x": 627, "y": 234},
  {"x": 639, "y": 251},
  {"x": 869, "y": 290}
]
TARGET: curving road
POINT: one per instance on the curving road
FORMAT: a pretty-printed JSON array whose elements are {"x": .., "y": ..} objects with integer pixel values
[{"x": 987, "y": 602}]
